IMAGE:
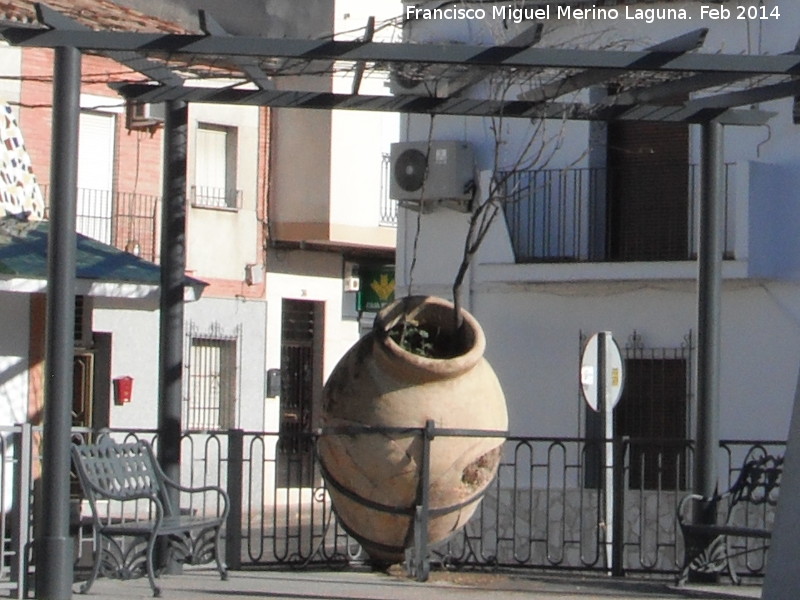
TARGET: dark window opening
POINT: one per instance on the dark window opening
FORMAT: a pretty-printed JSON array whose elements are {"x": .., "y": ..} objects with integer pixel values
[{"x": 648, "y": 191}]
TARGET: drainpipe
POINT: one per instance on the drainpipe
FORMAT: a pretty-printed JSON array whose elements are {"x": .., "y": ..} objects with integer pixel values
[
  {"x": 54, "y": 546},
  {"x": 709, "y": 283}
]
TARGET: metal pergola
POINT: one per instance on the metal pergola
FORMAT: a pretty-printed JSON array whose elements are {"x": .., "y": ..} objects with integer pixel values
[{"x": 653, "y": 79}]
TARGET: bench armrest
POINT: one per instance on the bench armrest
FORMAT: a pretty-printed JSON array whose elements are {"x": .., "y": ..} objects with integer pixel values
[
  {"x": 684, "y": 506},
  {"x": 222, "y": 495}
]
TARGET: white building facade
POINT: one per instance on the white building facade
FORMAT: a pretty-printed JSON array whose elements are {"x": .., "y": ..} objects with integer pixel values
[{"x": 599, "y": 234}]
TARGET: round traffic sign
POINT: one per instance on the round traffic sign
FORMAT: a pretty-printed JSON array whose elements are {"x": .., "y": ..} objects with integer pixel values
[{"x": 590, "y": 379}]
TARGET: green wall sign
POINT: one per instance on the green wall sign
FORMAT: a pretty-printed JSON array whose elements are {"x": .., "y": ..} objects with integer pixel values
[{"x": 376, "y": 288}]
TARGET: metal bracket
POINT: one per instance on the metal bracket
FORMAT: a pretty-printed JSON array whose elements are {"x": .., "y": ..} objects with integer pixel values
[{"x": 421, "y": 566}]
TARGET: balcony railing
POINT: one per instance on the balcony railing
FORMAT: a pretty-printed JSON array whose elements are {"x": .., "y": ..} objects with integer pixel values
[
  {"x": 388, "y": 206},
  {"x": 125, "y": 220},
  {"x": 576, "y": 215},
  {"x": 210, "y": 197}
]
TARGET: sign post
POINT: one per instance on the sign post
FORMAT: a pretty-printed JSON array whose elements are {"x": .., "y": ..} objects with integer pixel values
[{"x": 601, "y": 383}]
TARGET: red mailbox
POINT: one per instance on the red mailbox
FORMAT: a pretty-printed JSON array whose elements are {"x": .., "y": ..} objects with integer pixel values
[{"x": 123, "y": 390}]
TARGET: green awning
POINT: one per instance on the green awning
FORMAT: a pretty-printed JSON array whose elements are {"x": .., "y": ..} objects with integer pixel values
[{"x": 102, "y": 270}]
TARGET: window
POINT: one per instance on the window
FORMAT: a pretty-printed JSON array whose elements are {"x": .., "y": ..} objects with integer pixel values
[
  {"x": 95, "y": 205},
  {"x": 638, "y": 206},
  {"x": 215, "y": 167},
  {"x": 648, "y": 191},
  {"x": 653, "y": 413},
  {"x": 212, "y": 367}
]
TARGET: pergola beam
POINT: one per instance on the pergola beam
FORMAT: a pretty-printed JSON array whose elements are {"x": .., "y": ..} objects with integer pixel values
[
  {"x": 249, "y": 66},
  {"x": 212, "y": 46},
  {"x": 755, "y": 95},
  {"x": 141, "y": 64},
  {"x": 578, "y": 81},
  {"x": 441, "y": 106},
  {"x": 527, "y": 38},
  {"x": 669, "y": 90}
]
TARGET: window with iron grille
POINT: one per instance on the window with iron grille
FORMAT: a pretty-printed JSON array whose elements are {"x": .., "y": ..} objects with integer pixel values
[
  {"x": 95, "y": 200},
  {"x": 653, "y": 414},
  {"x": 212, "y": 366}
]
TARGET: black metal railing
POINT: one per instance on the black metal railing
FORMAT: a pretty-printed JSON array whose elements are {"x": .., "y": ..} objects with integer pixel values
[
  {"x": 125, "y": 220},
  {"x": 388, "y": 206},
  {"x": 574, "y": 215},
  {"x": 221, "y": 198},
  {"x": 543, "y": 511},
  {"x": 540, "y": 512}
]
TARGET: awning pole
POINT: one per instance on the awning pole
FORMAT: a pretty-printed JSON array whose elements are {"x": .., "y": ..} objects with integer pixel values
[
  {"x": 173, "y": 267},
  {"x": 709, "y": 299},
  {"x": 54, "y": 567}
]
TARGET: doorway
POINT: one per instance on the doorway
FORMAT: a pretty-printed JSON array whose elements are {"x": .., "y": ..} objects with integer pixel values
[{"x": 301, "y": 382}]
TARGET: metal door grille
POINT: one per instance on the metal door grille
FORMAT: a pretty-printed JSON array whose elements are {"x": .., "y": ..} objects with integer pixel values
[{"x": 297, "y": 389}]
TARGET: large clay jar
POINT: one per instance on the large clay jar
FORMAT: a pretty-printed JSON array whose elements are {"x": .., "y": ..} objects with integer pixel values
[{"x": 373, "y": 473}]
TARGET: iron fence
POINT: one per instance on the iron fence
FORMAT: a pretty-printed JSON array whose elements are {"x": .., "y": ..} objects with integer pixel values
[
  {"x": 565, "y": 215},
  {"x": 545, "y": 509},
  {"x": 125, "y": 220}
]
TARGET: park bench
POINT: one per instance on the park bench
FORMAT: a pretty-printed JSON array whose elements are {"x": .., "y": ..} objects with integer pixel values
[
  {"x": 127, "y": 476},
  {"x": 711, "y": 547}
]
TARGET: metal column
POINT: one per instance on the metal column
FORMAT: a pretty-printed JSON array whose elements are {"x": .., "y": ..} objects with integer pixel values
[
  {"x": 173, "y": 266},
  {"x": 709, "y": 284},
  {"x": 54, "y": 546}
]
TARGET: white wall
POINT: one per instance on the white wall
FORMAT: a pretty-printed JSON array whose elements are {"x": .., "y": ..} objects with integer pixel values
[
  {"x": 533, "y": 342},
  {"x": 135, "y": 345},
  {"x": 14, "y": 334},
  {"x": 10, "y": 59},
  {"x": 221, "y": 242},
  {"x": 311, "y": 276},
  {"x": 359, "y": 139},
  {"x": 134, "y": 353},
  {"x": 251, "y": 317}
]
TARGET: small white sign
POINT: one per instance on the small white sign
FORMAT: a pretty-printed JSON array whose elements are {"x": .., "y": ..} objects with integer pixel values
[{"x": 587, "y": 375}]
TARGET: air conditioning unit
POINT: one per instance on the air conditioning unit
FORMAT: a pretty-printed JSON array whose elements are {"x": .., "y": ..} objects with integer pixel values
[
  {"x": 143, "y": 115},
  {"x": 425, "y": 175},
  {"x": 352, "y": 284},
  {"x": 350, "y": 277}
]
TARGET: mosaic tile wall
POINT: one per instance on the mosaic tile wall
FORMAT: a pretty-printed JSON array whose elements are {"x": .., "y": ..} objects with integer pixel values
[{"x": 19, "y": 191}]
